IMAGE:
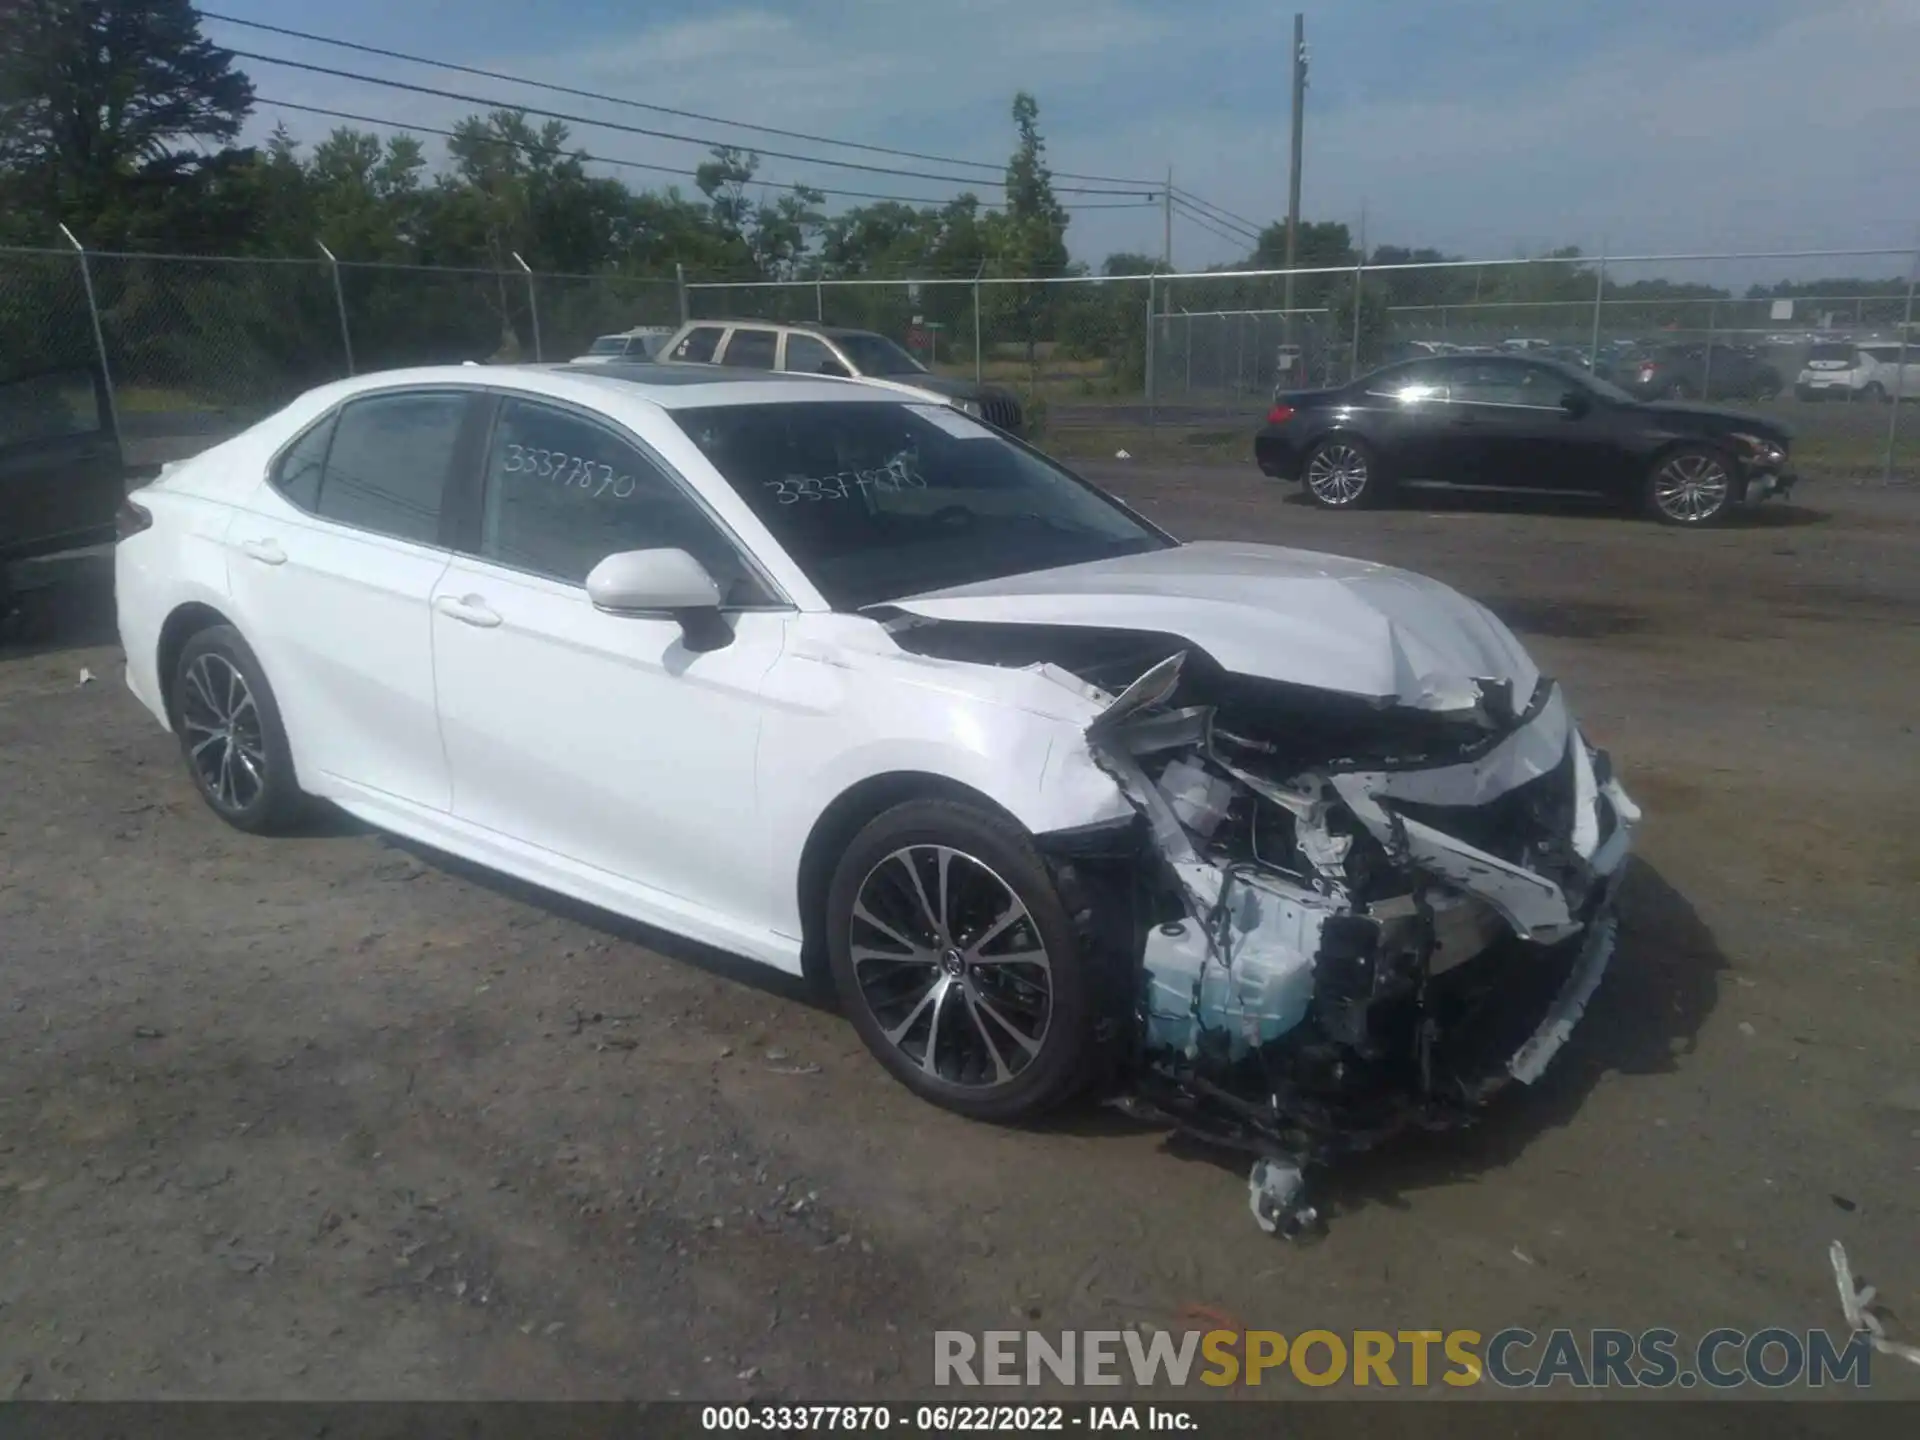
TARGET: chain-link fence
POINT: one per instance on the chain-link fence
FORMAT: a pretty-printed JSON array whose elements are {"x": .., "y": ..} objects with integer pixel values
[{"x": 195, "y": 348}]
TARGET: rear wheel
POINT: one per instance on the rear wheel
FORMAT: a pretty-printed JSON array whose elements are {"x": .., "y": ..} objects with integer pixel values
[
  {"x": 1874, "y": 391},
  {"x": 1341, "y": 474},
  {"x": 230, "y": 733},
  {"x": 1680, "y": 390},
  {"x": 957, "y": 963},
  {"x": 1691, "y": 486}
]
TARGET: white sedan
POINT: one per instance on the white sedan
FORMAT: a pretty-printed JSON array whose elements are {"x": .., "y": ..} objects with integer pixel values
[{"x": 1291, "y": 849}]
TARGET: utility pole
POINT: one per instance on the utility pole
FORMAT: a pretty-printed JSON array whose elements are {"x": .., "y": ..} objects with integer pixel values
[
  {"x": 1166, "y": 210},
  {"x": 1293, "y": 180}
]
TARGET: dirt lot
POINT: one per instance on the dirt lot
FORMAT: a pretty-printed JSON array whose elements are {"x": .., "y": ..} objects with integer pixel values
[{"x": 328, "y": 1117}]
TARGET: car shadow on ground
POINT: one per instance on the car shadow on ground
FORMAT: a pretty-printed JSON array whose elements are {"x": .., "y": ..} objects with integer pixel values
[
  {"x": 1765, "y": 516},
  {"x": 1662, "y": 984}
]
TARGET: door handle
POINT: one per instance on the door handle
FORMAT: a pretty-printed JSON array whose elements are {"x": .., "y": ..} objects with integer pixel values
[
  {"x": 267, "y": 552},
  {"x": 468, "y": 610}
]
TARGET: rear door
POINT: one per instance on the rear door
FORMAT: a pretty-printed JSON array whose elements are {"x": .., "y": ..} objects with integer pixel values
[
  {"x": 61, "y": 477},
  {"x": 332, "y": 570}
]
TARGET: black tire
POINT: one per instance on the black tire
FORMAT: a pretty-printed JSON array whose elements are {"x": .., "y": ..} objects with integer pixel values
[
  {"x": 1875, "y": 392},
  {"x": 1337, "y": 455},
  {"x": 251, "y": 784},
  {"x": 1679, "y": 390},
  {"x": 1053, "y": 1056},
  {"x": 1691, "y": 486}
]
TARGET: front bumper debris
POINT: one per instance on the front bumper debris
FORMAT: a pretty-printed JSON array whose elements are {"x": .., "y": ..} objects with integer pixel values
[{"x": 1336, "y": 952}]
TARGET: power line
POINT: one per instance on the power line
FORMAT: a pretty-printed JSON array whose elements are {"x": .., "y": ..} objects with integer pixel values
[
  {"x": 1196, "y": 218},
  {"x": 408, "y": 125},
  {"x": 999, "y": 165},
  {"x": 1220, "y": 213},
  {"x": 497, "y": 104}
]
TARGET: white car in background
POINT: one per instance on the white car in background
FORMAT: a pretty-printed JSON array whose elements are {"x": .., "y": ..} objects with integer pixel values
[
  {"x": 638, "y": 345},
  {"x": 1293, "y": 849},
  {"x": 1858, "y": 370}
]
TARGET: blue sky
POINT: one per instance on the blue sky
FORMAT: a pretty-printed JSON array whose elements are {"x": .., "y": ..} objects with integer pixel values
[{"x": 1487, "y": 127}]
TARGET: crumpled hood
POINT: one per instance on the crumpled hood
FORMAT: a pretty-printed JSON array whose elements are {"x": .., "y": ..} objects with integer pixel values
[{"x": 1295, "y": 616}]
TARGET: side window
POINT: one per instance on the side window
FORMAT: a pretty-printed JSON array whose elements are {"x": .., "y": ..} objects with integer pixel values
[
  {"x": 807, "y": 355},
  {"x": 297, "y": 476},
  {"x": 1510, "y": 383},
  {"x": 750, "y": 349},
  {"x": 698, "y": 346},
  {"x": 1411, "y": 384},
  {"x": 387, "y": 467},
  {"x": 564, "y": 493}
]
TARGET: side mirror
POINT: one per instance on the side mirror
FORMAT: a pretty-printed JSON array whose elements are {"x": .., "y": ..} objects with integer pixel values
[
  {"x": 835, "y": 368},
  {"x": 662, "y": 582},
  {"x": 1576, "y": 403}
]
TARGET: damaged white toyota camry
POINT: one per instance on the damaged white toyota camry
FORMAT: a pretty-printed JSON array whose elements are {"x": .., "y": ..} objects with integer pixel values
[{"x": 1289, "y": 850}]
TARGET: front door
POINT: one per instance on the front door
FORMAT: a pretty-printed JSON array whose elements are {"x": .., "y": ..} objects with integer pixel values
[
  {"x": 1510, "y": 427},
  {"x": 601, "y": 738}
]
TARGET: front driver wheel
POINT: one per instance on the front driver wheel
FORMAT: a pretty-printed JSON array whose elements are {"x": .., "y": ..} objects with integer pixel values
[
  {"x": 1691, "y": 486},
  {"x": 230, "y": 733},
  {"x": 1340, "y": 474},
  {"x": 955, "y": 958}
]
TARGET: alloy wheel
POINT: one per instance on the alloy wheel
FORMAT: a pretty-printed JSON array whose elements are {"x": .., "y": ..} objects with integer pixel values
[
  {"x": 1337, "y": 474},
  {"x": 951, "y": 966},
  {"x": 1691, "y": 488},
  {"x": 225, "y": 741}
]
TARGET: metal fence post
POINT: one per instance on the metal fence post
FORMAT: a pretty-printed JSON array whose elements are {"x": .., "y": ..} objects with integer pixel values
[
  {"x": 1152, "y": 418},
  {"x": 1900, "y": 384},
  {"x": 680, "y": 280},
  {"x": 819, "y": 302},
  {"x": 340, "y": 304},
  {"x": 99, "y": 337},
  {"x": 1599, "y": 304},
  {"x": 1706, "y": 373},
  {"x": 978, "y": 343},
  {"x": 533, "y": 304},
  {"x": 1359, "y": 279}
]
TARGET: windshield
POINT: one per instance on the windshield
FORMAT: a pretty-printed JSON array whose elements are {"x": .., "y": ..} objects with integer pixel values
[
  {"x": 608, "y": 345},
  {"x": 877, "y": 355},
  {"x": 1830, "y": 351},
  {"x": 875, "y": 501}
]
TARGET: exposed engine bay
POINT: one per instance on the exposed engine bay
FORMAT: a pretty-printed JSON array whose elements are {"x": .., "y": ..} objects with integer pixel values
[{"x": 1350, "y": 918}]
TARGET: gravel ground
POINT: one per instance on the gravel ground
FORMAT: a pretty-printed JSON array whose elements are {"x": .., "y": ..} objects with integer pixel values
[{"x": 328, "y": 1116}]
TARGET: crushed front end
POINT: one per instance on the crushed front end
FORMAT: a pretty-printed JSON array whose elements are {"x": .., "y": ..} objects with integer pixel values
[{"x": 1352, "y": 920}]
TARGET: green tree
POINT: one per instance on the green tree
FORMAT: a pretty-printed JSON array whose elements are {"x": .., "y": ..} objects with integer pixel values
[
  {"x": 106, "y": 110},
  {"x": 1028, "y": 238}
]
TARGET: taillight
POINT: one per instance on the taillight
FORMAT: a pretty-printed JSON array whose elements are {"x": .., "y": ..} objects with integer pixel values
[
  {"x": 130, "y": 519},
  {"x": 1279, "y": 414},
  {"x": 1646, "y": 371}
]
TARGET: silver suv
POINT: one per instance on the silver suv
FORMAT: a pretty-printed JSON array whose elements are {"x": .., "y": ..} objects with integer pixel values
[{"x": 830, "y": 350}]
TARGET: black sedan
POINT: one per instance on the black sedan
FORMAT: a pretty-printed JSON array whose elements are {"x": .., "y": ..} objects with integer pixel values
[{"x": 1499, "y": 422}]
